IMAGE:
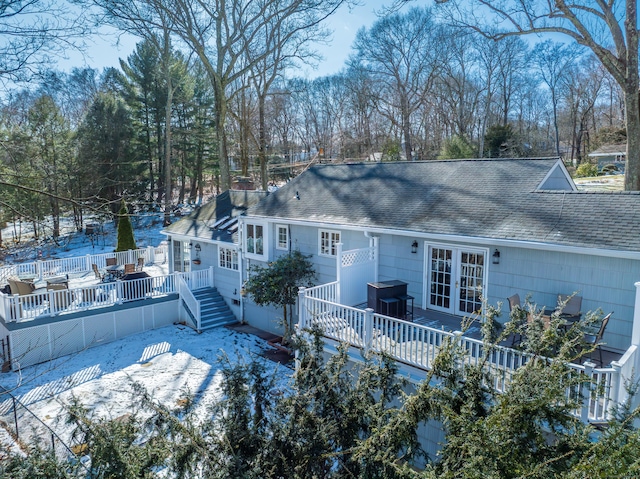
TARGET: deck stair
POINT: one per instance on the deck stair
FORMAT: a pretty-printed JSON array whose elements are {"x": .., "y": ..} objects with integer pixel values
[{"x": 214, "y": 310}]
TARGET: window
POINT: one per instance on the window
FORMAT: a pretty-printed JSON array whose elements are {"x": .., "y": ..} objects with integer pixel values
[
  {"x": 283, "y": 237},
  {"x": 328, "y": 242},
  {"x": 255, "y": 239},
  {"x": 228, "y": 258}
]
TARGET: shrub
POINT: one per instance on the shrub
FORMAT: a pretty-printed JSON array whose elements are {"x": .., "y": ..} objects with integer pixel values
[{"x": 586, "y": 169}]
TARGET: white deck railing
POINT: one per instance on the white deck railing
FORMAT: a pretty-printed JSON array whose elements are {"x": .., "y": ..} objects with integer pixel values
[
  {"x": 79, "y": 264},
  {"x": 16, "y": 308},
  {"x": 417, "y": 345}
]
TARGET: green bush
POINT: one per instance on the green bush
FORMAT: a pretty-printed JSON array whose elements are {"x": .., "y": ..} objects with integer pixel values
[
  {"x": 586, "y": 169},
  {"x": 456, "y": 147}
]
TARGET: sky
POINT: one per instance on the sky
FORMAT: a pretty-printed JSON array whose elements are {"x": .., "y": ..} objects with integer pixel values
[{"x": 106, "y": 50}]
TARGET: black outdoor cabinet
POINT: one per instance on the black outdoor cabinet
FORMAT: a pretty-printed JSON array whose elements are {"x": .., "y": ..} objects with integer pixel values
[{"x": 386, "y": 290}]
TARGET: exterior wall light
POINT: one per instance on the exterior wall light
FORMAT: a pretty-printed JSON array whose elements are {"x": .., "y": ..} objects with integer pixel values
[
  {"x": 496, "y": 257},
  {"x": 414, "y": 246}
]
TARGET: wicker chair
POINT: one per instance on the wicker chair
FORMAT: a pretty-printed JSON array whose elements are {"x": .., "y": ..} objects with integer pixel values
[
  {"x": 112, "y": 261},
  {"x": 140, "y": 264},
  {"x": 129, "y": 268}
]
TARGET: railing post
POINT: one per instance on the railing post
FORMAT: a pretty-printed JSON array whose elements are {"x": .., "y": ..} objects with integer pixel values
[
  {"x": 211, "y": 276},
  {"x": 151, "y": 256},
  {"x": 617, "y": 392},
  {"x": 6, "y": 307},
  {"x": 302, "y": 316},
  {"x": 338, "y": 271},
  {"x": 88, "y": 264},
  {"x": 39, "y": 269},
  {"x": 588, "y": 372},
  {"x": 368, "y": 329},
  {"x": 119, "y": 292},
  {"x": 52, "y": 303}
]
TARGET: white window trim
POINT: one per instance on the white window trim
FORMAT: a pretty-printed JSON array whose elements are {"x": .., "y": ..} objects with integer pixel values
[
  {"x": 278, "y": 245},
  {"x": 234, "y": 253},
  {"x": 332, "y": 245},
  {"x": 265, "y": 240}
]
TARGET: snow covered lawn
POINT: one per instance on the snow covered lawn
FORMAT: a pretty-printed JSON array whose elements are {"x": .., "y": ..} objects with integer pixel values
[{"x": 170, "y": 362}]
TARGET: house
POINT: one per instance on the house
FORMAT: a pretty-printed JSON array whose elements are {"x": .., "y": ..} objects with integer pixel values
[
  {"x": 495, "y": 226},
  {"x": 452, "y": 234},
  {"x": 614, "y": 154}
]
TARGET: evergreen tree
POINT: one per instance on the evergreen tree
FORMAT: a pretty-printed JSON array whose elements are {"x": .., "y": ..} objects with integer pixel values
[
  {"x": 277, "y": 284},
  {"x": 126, "y": 241}
]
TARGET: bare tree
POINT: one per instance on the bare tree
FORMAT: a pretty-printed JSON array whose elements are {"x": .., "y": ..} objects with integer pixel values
[
  {"x": 229, "y": 39},
  {"x": 402, "y": 52},
  {"x": 32, "y": 32},
  {"x": 594, "y": 24},
  {"x": 553, "y": 61}
]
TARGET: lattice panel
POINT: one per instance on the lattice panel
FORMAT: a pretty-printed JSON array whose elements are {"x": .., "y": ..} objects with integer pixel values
[
  {"x": 30, "y": 345},
  {"x": 359, "y": 256},
  {"x": 66, "y": 337}
]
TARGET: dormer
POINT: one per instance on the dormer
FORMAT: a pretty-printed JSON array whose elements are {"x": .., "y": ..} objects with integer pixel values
[{"x": 557, "y": 179}]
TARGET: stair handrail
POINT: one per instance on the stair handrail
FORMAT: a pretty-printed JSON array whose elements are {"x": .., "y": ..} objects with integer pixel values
[{"x": 189, "y": 300}]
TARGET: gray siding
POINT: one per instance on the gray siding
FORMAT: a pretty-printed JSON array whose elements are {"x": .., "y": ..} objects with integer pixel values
[
  {"x": 606, "y": 283},
  {"x": 603, "y": 282}
]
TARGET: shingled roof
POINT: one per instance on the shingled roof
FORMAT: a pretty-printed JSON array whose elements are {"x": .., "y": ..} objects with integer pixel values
[
  {"x": 506, "y": 199},
  {"x": 218, "y": 219}
]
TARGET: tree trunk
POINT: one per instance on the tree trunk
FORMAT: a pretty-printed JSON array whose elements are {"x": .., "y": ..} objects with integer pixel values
[
  {"x": 221, "y": 115},
  {"x": 631, "y": 98},
  {"x": 263, "y": 143},
  {"x": 406, "y": 127},
  {"x": 167, "y": 128}
]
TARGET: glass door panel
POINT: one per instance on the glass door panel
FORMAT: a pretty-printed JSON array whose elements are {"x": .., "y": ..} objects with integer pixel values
[
  {"x": 470, "y": 280},
  {"x": 440, "y": 276}
]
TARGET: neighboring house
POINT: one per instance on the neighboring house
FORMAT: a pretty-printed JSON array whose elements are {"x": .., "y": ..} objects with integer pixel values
[
  {"x": 456, "y": 230},
  {"x": 610, "y": 155}
]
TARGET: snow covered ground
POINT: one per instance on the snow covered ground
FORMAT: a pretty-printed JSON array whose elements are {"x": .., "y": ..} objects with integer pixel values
[{"x": 170, "y": 362}]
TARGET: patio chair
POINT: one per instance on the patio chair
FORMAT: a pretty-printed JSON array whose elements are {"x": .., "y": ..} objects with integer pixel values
[
  {"x": 111, "y": 261},
  {"x": 595, "y": 339},
  {"x": 140, "y": 264},
  {"x": 97, "y": 272},
  {"x": 20, "y": 287},
  {"x": 129, "y": 268},
  {"x": 570, "y": 307}
]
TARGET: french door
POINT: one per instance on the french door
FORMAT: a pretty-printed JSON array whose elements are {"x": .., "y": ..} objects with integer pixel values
[
  {"x": 181, "y": 256},
  {"x": 455, "y": 279}
]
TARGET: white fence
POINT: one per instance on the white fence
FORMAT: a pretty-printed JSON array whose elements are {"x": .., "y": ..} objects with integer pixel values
[
  {"x": 79, "y": 264},
  {"x": 418, "y": 345},
  {"x": 51, "y": 303}
]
